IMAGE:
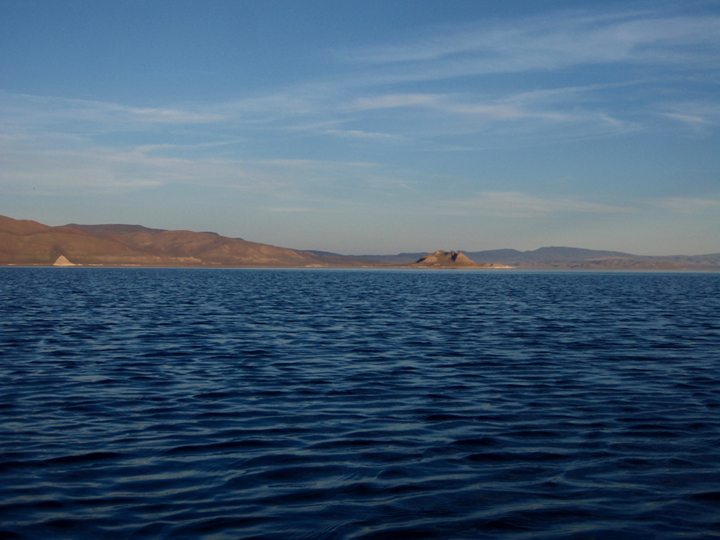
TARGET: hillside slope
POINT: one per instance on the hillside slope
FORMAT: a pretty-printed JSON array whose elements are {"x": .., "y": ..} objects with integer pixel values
[{"x": 25, "y": 242}]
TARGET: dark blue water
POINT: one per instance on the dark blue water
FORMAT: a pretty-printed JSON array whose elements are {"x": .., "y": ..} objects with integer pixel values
[{"x": 147, "y": 403}]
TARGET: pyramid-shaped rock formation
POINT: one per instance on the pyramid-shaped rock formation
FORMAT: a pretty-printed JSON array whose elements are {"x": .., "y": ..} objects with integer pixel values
[{"x": 62, "y": 260}]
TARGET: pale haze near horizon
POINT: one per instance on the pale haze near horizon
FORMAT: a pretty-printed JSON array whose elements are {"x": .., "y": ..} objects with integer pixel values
[{"x": 369, "y": 127}]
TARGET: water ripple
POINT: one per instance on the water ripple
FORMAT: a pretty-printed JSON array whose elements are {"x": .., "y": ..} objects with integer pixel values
[{"x": 152, "y": 403}]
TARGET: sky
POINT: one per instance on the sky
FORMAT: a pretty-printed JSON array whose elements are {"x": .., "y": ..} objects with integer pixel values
[{"x": 369, "y": 127}]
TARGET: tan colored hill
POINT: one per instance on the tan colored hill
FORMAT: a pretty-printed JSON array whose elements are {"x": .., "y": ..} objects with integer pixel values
[
  {"x": 212, "y": 249},
  {"x": 30, "y": 243},
  {"x": 24, "y": 242},
  {"x": 21, "y": 227},
  {"x": 450, "y": 259}
]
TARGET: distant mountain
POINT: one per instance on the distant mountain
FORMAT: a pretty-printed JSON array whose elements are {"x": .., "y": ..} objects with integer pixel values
[
  {"x": 544, "y": 255},
  {"x": 26, "y": 242},
  {"x": 590, "y": 259},
  {"x": 573, "y": 258}
]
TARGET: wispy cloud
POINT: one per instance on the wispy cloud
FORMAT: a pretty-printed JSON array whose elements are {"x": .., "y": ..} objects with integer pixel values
[
  {"x": 291, "y": 209},
  {"x": 29, "y": 164},
  {"x": 515, "y": 204},
  {"x": 686, "y": 205},
  {"x": 391, "y": 101},
  {"x": 520, "y": 113},
  {"x": 146, "y": 148},
  {"x": 555, "y": 42},
  {"x": 359, "y": 134},
  {"x": 48, "y": 109},
  {"x": 698, "y": 116}
]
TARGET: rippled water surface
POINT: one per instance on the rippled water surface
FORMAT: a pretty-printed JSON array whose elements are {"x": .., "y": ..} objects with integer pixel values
[{"x": 150, "y": 403}]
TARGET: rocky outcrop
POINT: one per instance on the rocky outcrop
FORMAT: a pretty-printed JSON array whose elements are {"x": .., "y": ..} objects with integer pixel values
[
  {"x": 63, "y": 261},
  {"x": 448, "y": 259}
]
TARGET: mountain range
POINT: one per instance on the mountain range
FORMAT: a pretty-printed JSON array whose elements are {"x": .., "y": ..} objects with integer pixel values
[
  {"x": 575, "y": 258},
  {"x": 28, "y": 243}
]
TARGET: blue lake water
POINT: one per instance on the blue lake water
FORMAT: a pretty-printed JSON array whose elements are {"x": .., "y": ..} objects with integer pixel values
[{"x": 219, "y": 404}]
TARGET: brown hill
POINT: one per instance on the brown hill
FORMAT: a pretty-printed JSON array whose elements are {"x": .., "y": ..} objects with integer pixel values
[
  {"x": 211, "y": 248},
  {"x": 21, "y": 227},
  {"x": 31, "y": 243}
]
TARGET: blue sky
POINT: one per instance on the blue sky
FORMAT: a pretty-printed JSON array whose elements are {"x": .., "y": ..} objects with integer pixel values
[{"x": 368, "y": 127}]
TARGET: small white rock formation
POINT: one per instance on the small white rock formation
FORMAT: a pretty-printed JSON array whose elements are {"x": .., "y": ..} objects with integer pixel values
[{"x": 62, "y": 261}]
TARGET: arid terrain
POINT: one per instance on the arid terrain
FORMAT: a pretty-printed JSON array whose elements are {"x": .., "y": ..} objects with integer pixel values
[
  {"x": 24, "y": 242},
  {"x": 29, "y": 243}
]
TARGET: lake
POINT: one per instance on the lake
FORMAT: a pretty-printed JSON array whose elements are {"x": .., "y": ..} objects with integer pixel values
[{"x": 349, "y": 404}]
